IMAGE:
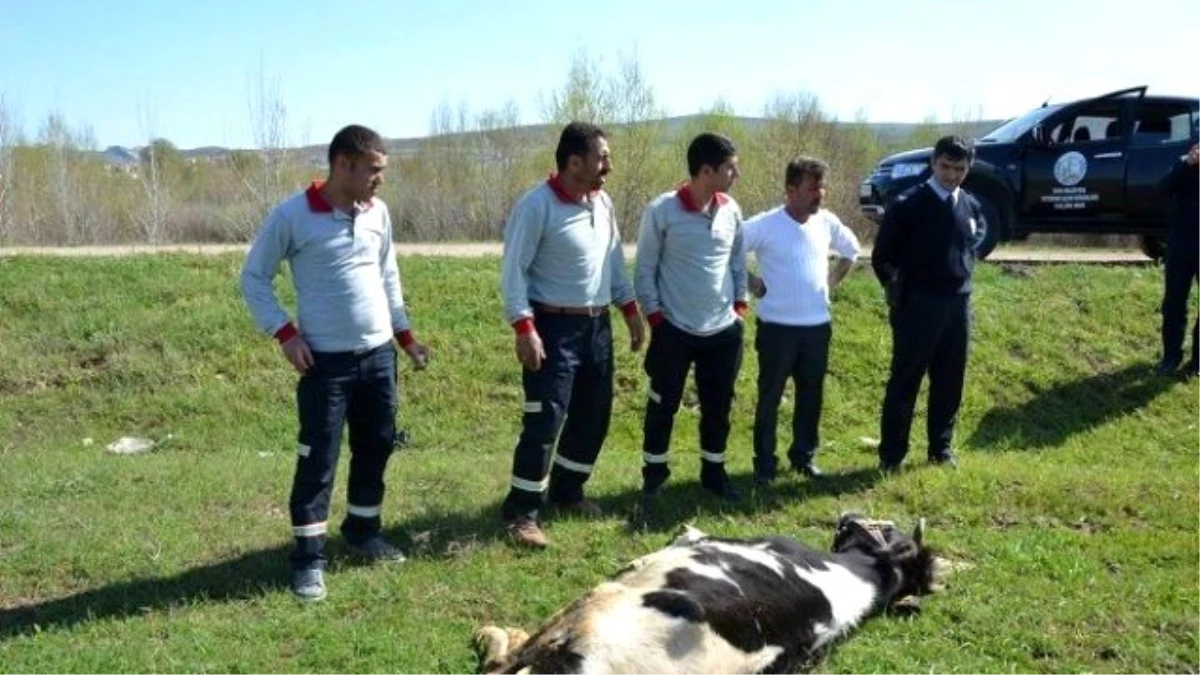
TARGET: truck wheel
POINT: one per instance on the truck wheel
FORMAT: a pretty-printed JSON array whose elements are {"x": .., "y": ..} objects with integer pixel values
[
  {"x": 1154, "y": 247},
  {"x": 987, "y": 237}
]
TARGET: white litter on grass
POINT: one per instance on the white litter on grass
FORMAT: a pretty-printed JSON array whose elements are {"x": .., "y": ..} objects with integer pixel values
[
  {"x": 87, "y": 442},
  {"x": 868, "y": 441},
  {"x": 130, "y": 445},
  {"x": 266, "y": 454}
]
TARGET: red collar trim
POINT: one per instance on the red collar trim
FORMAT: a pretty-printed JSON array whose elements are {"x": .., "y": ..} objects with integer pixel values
[
  {"x": 684, "y": 194},
  {"x": 316, "y": 201},
  {"x": 560, "y": 190},
  {"x": 318, "y": 204}
]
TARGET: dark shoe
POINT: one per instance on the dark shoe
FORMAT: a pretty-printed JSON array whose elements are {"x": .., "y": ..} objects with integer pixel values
[
  {"x": 1190, "y": 368},
  {"x": 308, "y": 585},
  {"x": 763, "y": 480},
  {"x": 584, "y": 508},
  {"x": 809, "y": 469},
  {"x": 1167, "y": 367},
  {"x": 724, "y": 490},
  {"x": 376, "y": 549},
  {"x": 889, "y": 469},
  {"x": 524, "y": 531},
  {"x": 946, "y": 458}
]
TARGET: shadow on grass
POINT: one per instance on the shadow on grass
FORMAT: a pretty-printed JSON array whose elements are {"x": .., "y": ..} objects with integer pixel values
[
  {"x": 432, "y": 536},
  {"x": 680, "y": 501},
  {"x": 1057, "y": 413},
  {"x": 247, "y": 576}
]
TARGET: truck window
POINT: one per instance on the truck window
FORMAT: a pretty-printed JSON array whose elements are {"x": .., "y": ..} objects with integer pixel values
[
  {"x": 1163, "y": 123},
  {"x": 1094, "y": 122}
]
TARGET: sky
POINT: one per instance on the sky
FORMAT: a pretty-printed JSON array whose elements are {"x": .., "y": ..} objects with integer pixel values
[{"x": 191, "y": 72}]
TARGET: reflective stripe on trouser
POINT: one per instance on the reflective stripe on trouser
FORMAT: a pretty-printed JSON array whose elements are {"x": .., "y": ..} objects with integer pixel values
[
  {"x": 342, "y": 389},
  {"x": 571, "y": 394},
  {"x": 670, "y": 356}
]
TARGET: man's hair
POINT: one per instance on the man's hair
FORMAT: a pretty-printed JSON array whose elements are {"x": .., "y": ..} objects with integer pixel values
[
  {"x": 954, "y": 148},
  {"x": 708, "y": 149},
  {"x": 802, "y": 166},
  {"x": 355, "y": 141},
  {"x": 576, "y": 139}
]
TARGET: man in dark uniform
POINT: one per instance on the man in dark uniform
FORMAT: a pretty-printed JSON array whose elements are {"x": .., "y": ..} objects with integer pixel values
[
  {"x": 563, "y": 266},
  {"x": 924, "y": 255},
  {"x": 1183, "y": 250}
]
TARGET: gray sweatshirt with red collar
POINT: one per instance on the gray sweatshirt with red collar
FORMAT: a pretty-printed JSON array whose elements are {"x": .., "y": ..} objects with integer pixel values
[
  {"x": 562, "y": 251},
  {"x": 691, "y": 269},
  {"x": 344, "y": 272}
]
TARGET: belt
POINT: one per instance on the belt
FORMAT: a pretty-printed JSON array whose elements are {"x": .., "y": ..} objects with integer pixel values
[{"x": 585, "y": 310}]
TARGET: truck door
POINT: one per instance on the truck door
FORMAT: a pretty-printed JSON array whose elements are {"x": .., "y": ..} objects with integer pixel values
[
  {"x": 1163, "y": 130},
  {"x": 1078, "y": 174}
]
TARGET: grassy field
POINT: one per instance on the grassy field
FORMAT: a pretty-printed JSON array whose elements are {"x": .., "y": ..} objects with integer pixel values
[{"x": 1076, "y": 501}]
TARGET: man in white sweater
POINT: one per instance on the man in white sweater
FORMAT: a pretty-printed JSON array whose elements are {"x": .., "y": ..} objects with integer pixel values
[{"x": 792, "y": 243}]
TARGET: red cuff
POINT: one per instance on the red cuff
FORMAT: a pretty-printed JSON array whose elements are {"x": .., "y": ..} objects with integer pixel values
[
  {"x": 405, "y": 338},
  {"x": 286, "y": 333},
  {"x": 523, "y": 326},
  {"x": 655, "y": 319},
  {"x": 630, "y": 308},
  {"x": 740, "y": 308}
]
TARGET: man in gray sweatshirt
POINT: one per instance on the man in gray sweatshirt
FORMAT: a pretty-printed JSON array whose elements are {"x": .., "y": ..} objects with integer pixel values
[
  {"x": 563, "y": 266},
  {"x": 690, "y": 279},
  {"x": 337, "y": 238}
]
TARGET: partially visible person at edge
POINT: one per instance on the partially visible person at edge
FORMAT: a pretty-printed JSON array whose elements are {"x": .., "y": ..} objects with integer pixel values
[
  {"x": 924, "y": 255},
  {"x": 563, "y": 266},
  {"x": 690, "y": 278},
  {"x": 791, "y": 244},
  {"x": 336, "y": 237},
  {"x": 1183, "y": 251}
]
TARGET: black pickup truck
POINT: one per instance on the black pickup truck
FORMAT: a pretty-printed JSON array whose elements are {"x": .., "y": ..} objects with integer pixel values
[{"x": 1089, "y": 166}]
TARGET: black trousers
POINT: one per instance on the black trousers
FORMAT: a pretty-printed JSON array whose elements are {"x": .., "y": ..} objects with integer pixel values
[
  {"x": 670, "y": 356},
  {"x": 1181, "y": 273},
  {"x": 799, "y": 353},
  {"x": 341, "y": 387},
  {"x": 571, "y": 393},
  {"x": 930, "y": 333}
]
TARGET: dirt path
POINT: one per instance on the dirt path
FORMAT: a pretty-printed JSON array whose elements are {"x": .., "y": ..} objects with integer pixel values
[{"x": 1016, "y": 254}]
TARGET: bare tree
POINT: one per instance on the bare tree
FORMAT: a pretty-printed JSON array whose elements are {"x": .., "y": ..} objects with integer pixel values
[
  {"x": 585, "y": 97},
  {"x": 265, "y": 182},
  {"x": 7, "y": 176},
  {"x": 71, "y": 192},
  {"x": 642, "y": 164},
  {"x": 153, "y": 214}
]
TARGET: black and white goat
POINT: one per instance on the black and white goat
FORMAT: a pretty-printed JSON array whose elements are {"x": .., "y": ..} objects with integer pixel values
[{"x": 710, "y": 605}]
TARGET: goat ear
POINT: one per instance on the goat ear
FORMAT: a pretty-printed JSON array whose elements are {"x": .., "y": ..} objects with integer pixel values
[{"x": 919, "y": 532}]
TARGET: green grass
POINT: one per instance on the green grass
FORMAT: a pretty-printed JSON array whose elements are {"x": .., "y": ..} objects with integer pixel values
[{"x": 1076, "y": 500}]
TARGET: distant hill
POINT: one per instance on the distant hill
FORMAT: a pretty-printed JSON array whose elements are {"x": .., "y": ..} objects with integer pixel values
[{"x": 887, "y": 132}]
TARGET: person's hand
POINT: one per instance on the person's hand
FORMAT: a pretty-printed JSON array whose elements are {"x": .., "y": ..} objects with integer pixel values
[
  {"x": 1192, "y": 155},
  {"x": 755, "y": 283},
  {"x": 419, "y": 354},
  {"x": 530, "y": 351},
  {"x": 297, "y": 352},
  {"x": 637, "y": 331}
]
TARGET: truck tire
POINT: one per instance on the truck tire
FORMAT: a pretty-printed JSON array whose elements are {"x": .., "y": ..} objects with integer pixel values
[
  {"x": 1154, "y": 247},
  {"x": 985, "y": 241}
]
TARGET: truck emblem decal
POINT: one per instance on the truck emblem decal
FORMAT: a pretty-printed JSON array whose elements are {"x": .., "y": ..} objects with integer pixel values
[{"x": 1070, "y": 168}]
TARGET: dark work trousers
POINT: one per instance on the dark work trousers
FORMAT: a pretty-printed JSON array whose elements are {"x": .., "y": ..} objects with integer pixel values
[
  {"x": 1181, "y": 269},
  {"x": 340, "y": 388},
  {"x": 572, "y": 392},
  {"x": 930, "y": 333},
  {"x": 799, "y": 353},
  {"x": 717, "y": 357}
]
